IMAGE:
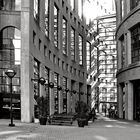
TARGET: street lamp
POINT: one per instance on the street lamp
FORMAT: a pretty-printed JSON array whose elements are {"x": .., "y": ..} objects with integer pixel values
[{"x": 11, "y": 73}]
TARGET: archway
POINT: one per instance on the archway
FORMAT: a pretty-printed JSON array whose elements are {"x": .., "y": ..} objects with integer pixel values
[{"x": 10, "y": 49}]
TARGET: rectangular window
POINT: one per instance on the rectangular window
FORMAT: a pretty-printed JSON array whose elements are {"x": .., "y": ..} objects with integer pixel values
[
  {"x": 50, "y": 55},
  {"x": 122, "y": 52},
  {"x": 72, "y": 4},
  {"x": 64, "y": 95},
  {"x": 39, "y": 44},
  {"x": 34, "y": 37},
  {"x": 14, "y": 5},
  {"x": 58, "y": 62},
  {"x": 36, "y": 9},
  {"x": 54, "y": 59},
  {"x": 56, "y": 25},
  {"x": 88, "y": 50},
  {"x": 80, "y": 8},
  {"x": 45, "y": 50},
  {"x": 72, "y": 44},
  {"x": 56, "y": 95},
  {"x": 64, "y": 36},
  {"x": 36, "y": 70},
  {"x": 135, "y": 44},
  {"x": 47, "y": 17},
  {"x": 80, "y": 50},
  {"x": 134, "y": 3}
]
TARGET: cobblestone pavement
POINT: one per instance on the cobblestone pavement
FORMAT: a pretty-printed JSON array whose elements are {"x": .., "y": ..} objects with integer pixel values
[{"x": 102, "y": 129}]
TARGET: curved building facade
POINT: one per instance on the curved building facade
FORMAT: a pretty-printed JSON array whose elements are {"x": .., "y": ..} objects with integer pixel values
[
  {"x": 128, "y": 45},
  {"x": 42, "y": 39}
]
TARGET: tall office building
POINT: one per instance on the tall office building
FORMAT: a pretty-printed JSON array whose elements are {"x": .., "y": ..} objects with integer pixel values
[
  {"x": 128, "y": 47},
  {"x": 102, "y": 74},
  {"x": 42, "y": 39},
  {"x": 102, "y": 68},
  {"x": 97, "y": 8}
]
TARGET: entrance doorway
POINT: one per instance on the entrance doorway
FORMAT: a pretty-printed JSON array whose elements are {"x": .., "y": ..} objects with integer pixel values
[{"x": 136, "y": 99}]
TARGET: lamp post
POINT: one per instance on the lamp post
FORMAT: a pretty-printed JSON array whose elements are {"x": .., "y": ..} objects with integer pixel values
[{"x": 11, "y": 73}]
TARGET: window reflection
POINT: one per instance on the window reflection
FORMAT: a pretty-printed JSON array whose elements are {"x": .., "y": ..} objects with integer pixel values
[
  {"x": 55, "y": 26},
  {"x": 10, "y": 46},
  {"x": 14, "y": 5},
  {"x": 56, "y": 98}
]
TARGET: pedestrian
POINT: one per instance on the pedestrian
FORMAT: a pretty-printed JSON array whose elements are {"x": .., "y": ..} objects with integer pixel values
[
  {"x": 93, "y": 113},
  {"x": 105, "y": 111}
]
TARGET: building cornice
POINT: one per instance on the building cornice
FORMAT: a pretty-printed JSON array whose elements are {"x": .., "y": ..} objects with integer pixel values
[
  {"x": 131, "y": 13},
  {"x": 131, "y": 66}
]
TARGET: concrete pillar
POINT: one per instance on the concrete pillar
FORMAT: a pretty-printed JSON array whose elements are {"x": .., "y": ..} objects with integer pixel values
[
  {"x": 129, "y": 101},
  {"x": 60, "y": 95},
  {"x": 120, "y": 101},
  {"x": 69, "y": 98},
  {"x": 27, "y": 98},
  {"x": 51, "y": 94},
  {"x": 127, "y": 6},
  {"x": 118, "y": 4},
  {"x": 42, "y": 87},
  {"x": 76, "y": 6}
]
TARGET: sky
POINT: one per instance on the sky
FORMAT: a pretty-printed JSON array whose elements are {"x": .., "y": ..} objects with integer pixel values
[{"x": 94, "y": 8}]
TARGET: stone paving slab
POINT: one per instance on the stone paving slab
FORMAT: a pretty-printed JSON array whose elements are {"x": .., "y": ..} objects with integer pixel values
[{"x": 102, "y": 129}]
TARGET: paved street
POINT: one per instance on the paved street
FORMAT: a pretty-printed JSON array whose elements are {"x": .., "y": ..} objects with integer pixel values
[{"x": 102, "y": 129}]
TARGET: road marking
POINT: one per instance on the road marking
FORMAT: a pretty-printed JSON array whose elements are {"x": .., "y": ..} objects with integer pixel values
[
  {"x": 100, "y": 138},
  {"x": 8, "y": 132}
]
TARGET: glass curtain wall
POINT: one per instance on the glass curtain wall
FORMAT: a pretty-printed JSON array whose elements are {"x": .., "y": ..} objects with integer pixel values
[{"x": 10, "y": 48}]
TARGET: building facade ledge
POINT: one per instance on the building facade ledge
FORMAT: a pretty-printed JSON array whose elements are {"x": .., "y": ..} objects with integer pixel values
[
  {"x": 130, "y": 14},
  {"x": 130, "y": 66}
]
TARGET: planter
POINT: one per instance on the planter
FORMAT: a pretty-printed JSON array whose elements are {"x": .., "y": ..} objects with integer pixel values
[
  {"x": 43, "y": 121},
  {"x": 81, "y": 122}
]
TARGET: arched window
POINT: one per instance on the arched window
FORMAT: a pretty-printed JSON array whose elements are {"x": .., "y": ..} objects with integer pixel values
[
  {"x": 10, "y": 47},
  {"x": 10, "y": 50}
]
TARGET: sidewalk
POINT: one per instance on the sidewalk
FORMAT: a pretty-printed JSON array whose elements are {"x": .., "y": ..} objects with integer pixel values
[{"x": 103, "y": 128}]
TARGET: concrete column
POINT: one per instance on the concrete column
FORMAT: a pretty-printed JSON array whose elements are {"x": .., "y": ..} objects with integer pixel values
[
  {"x": 51, "y": 94},
  {"x": 120, "y": 101},
  {"x": 76, "y": 6},
  {"x": 129, "y": 101},
  {"x": 126, "y": 100},
  {"x": 127, "y": 6},
  {"x": 27, "y": 98},
  {"x": 42, "y": 87},
  {"x": 69, "y": 98},
  {"x": 75, "y": 86},
  {"x": 118, "y": 4},
  {"x": 60, "y": 95},
  {"x": 128, "y": 47}
]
